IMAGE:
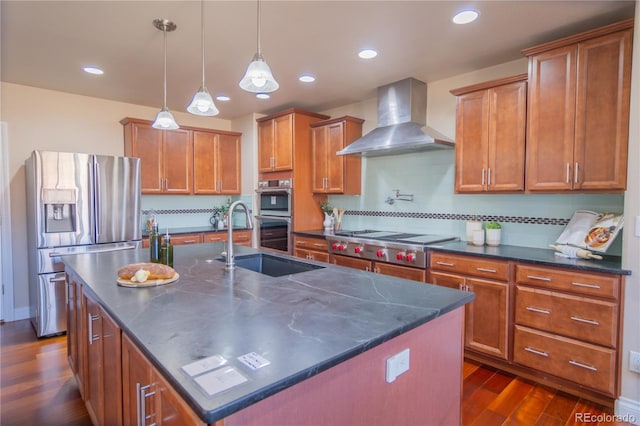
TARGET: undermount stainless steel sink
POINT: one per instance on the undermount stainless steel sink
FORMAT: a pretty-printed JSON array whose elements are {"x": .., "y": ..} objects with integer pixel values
[{"x": 271, "y": 265}]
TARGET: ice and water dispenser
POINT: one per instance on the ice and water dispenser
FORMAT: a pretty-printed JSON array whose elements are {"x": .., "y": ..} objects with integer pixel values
[{"x": 59, "y": 209}]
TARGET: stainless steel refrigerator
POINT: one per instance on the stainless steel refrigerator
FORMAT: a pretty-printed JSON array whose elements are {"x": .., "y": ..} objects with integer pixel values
[{"x": 76, "y": 204}]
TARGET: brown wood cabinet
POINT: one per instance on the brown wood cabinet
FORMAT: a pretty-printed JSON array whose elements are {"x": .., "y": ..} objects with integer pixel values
[
  {"x": 310, "y": 248},
  {"x": 331, "y": 173},
  {"x": 241, "y": 237},
  {"x": 102, "y": 382},
  {"x": 487, "y": 317},
  {"x": 578, "y": 111},
  {"x": 74, "y": 332},
  {"x": 166, "y": 157},
  {"x": 284, "y": 152},
  {"x": 568, "y": 325},
  {"x": 490, "y": 136},
  {"x": 147, "y": 396},
  {"x": 216, "y": 163},
  {"x": 399, "y": 271}
]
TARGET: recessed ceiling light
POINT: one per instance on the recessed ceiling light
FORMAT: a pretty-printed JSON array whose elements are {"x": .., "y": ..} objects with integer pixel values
[
  {"x": 262, "y": 96},
  {"x": 93, "y": 70},
  {"x": 307, "y": 78},
  {"x": 223, "y": 98},
  {"x": 465, "y": 16},
  {"x": 368, "y": 54}
]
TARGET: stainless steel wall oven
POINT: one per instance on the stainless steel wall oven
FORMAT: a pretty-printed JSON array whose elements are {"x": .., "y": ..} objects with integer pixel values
[{"x": 274, "y": 215}]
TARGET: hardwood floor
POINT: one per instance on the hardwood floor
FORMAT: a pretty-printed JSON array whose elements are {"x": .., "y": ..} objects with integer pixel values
[{"x": 38, "y": 388}]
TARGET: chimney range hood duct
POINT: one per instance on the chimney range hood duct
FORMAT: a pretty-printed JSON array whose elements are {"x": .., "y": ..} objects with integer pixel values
[{"x": 402, "y": 113}]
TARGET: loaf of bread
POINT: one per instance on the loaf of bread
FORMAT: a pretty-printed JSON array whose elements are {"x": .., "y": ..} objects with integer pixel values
[{"x": 157, "y": 271}]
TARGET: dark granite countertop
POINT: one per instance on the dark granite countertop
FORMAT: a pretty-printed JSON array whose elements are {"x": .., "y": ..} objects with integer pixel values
[
  {"x": 303, "y": 323},
  {"x": 610, "y": 264},
  {"x": 191, "y": 230}
]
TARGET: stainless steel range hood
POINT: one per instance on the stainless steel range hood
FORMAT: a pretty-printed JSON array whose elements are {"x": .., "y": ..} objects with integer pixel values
[{"x": 402, "y": 114}]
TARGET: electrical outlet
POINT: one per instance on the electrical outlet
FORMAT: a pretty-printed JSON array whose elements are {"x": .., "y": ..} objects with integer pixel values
[{"x": 634, "y": 361}]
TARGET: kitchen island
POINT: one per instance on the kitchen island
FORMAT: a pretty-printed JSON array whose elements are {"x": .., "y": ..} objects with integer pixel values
[{"x": 315, "y": 345}]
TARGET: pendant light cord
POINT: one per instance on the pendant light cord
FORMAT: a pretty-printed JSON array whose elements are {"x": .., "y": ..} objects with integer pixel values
[
  {"x": 164, "y": 30},
  {"x": 202, "y": 40},
  {"x": 258, "y": 33}
]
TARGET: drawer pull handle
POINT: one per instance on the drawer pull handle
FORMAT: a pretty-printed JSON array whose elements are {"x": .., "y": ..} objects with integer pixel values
[
  {"x": 445, "y": 264},
  {"x": 540, "y": 311},
  {"x": 318, "y": 245},
  {"x": 189, "y": 241},
  {"x": 537, "y": 352},
  {"x": 585, "y": 321},
  {"x": 535, "y": 277},
  {"x": 585, "y": 285},
  {"x": 579, "y": 364},
  {"x": 486, "y": 270}
]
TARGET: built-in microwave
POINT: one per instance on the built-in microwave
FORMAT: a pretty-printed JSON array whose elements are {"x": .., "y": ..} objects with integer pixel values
[{"x": 274, "y": 198}]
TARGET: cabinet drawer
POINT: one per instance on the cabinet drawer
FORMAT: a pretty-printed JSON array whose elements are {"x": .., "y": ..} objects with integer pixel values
[
  {"x": 586, "y": 364},
  {"x": 215, "y": 237},
  {"x": 470, "y": 265},
  {"x": 310, "y": 243},
  {"x": 592, "y": 320},
  {"x": 182, "y": 239},
  {"x": 589, "y": 283}
]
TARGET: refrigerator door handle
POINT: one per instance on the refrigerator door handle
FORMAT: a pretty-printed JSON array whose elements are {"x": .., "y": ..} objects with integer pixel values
[
  {"x": 96, "y": 197},
  {"x": 118, "y": 246}
]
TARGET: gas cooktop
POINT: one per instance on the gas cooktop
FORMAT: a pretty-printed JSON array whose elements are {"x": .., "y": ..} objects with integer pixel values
[
  {"x": 395, "y": 236},
  {"x": 385, "y": 246}
]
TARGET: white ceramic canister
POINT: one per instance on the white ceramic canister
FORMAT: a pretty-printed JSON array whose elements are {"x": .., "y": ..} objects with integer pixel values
[{"x": 472, "y": 226}]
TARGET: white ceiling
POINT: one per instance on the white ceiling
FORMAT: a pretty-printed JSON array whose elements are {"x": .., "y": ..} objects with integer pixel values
[{"x": 46, "y": 43}]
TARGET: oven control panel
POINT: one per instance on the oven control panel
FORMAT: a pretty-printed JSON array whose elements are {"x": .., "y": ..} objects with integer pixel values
[{"x": 408, "y": 256}]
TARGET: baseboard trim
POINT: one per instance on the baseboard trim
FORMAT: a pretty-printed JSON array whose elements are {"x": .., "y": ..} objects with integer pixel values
[{"x": 628, "y": 410}]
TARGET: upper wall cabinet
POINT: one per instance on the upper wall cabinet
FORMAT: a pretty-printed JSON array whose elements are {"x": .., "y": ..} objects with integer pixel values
[
  {"x": 166, "y": 157},
  {"x": 216, "y": 163},
  {"x": 490, "y": 136},
  {"x": 331, "y": 173},
  {"x": 278, "y": 135},
  {"x": 578, "y": 111}
]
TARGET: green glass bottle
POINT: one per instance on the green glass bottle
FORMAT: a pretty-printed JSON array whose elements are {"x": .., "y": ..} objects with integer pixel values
[
  {"x": 166, "y": 251},
  {"x": 154, "y": 244}
]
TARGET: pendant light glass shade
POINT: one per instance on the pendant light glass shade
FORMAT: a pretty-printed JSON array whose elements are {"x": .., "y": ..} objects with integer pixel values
[
  {"x": 202, "y": 103},
  {"x": 164, "y": 120},
  {"x": 258, "y": 78}
]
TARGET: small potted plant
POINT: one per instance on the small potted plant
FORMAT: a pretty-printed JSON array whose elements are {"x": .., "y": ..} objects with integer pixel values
[
  {"x": 327, "y": 209},
  {"x": 493, "y": 231},
  {"x": 223, "y": 210}
]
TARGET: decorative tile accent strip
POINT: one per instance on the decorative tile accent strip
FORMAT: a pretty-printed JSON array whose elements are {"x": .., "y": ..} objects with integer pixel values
[
  {"x": 178, "y": 211},
  {"x": 454, "y": 216}
]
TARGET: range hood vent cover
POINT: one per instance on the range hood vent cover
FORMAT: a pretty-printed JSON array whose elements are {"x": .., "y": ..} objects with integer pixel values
[{"x": 402, "y": 113}]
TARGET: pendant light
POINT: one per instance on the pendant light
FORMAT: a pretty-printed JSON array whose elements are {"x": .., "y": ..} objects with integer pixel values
[
  {"x": 164, "y": 119},
  {"x": 258, "y": 78},
  {"x": 202, "y": 103}
]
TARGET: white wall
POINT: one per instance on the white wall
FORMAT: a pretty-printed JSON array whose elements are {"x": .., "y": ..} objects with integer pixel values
[
  {"x": 630, "y": 400},
  {"x": 50, "y": 120}
]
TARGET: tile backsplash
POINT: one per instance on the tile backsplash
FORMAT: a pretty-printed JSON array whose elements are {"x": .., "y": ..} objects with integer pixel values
[{"x": 533, "y": 220}]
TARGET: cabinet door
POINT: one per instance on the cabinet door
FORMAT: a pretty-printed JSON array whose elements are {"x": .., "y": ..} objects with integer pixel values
[
  {"x": 335, "y": 163},
  {"x": 72, "y": 324},
  {"x": 472, "y": 132},
  {"x": 319, "y": 158},
  {"x": 171, "y": 407},
  {"x": 112, "y": 370},
  {"x": 94, "y": 388},
  {"x": 602, "y": 112},
  {"x": 146, "y": 143},
  {"x": 414, "y": 274},
  {"x": 266, "y": 141},
  {"x": 283, "y": 143},
  {"x": 486, "y": 326},
  {"x": 177, "y": 159},
  {"x": 507, "y": 124},
  {"x": 351, "y": 262},
  {"x": 550, "y": 119},
  {"x": 456, "y": 282},
  {"x": 228, "y": 164},
  {"x": 204, "y": 163},
  {"x": 137, "y": 380}
]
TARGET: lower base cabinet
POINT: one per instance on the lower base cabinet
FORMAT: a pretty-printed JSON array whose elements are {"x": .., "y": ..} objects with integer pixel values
[
  {"x": 117, "y": 383},
  {"x": 399, "y": 271},
  {"x": 310, "y": 248},
  {"x": 148, "y": 398}
]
